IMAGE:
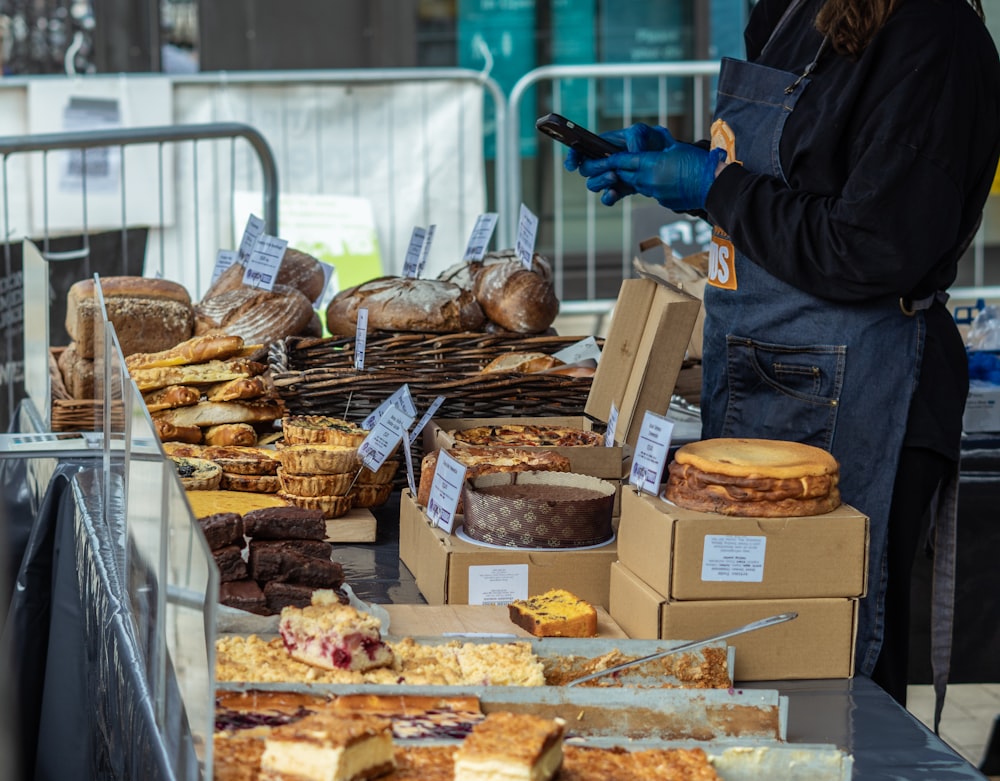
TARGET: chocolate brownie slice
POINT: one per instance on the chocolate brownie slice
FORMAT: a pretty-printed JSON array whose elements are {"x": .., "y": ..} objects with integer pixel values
[
  {"x": 230, "y": 563},
  {"x": 222, "y": 529},
  {"x": 283, "y": 523},
  {"x": 291, "y": 567},
  {"x": 280, "y": 595},
  {"x": 243, "y": 594},
  {"x": 270, "y": 559}
]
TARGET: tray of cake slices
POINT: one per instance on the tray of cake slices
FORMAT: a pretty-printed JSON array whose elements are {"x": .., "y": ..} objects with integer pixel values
[
  {"x": 276, "y": 734},
  {"x": 332, "y": 650}
]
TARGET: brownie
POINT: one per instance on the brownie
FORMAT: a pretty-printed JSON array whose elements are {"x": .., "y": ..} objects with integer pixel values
[
  {"x": 293, "y": 567},
  {"x": 279, "y": 595},
  {"x": 230, "y": 562},
  {"x": 222, "y": 529},
  {"x": 243, "y": 594},
  {"x": 269, "y": 559},
  {"x": 283, "y": 523}
]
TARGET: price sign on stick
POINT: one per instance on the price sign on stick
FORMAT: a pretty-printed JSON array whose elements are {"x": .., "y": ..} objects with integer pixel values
[
  {"x": 424, "y": 250},
  {"x": 482, "y": 232},
  {"x": 384, "y": 437},
  {"x": 253, "y": 231},
  {"x": 609, "y": 432},
  {"x": 431, "y": 411},
  {"x": 527, "y": 228},
  {"x": 411, "y": 264},
  {"x": 360, "y": 339},
  {"x": 264, "y": 262},
  {"x": 223, "y": 260},
  {"x": 401, "y": 398},
  {"x": 651, "y": 453},
  {"x": 446, "y": 488}
]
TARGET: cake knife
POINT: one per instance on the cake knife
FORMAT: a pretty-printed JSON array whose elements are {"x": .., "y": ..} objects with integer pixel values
[{"x": 751, "y": 627}]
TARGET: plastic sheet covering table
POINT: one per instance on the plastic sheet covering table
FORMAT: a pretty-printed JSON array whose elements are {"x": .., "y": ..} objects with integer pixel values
[{"x": 85, "y": 705}]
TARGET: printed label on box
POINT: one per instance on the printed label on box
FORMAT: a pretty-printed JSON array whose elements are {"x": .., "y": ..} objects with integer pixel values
[
  {"x": 497, "y": 585},
  {"x": 733, "y": 558}
]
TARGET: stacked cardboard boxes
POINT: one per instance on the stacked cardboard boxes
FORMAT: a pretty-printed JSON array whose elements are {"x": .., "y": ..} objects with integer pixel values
[
  {"x": 683, "y": 574},
  {"x": 642, "y": 356}
]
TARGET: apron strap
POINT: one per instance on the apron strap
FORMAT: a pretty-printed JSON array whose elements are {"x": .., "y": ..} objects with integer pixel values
[{"x": 944, "y": 523}]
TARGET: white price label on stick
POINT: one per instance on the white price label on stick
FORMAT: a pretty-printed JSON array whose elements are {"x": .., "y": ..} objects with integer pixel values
[
  {"x": 254, "y": 230},
  {"x": 584, "y": 350},
  {"x": 384, "y": 437},
  {"x": 651, "y": 452},
  {"x": 527, "y": 230},
  {"x": 446, "y": 489},
  {"x": 411, "y": 264},
  {"x": 223, "y": 260},
  {"x": 609, "y": 432},
  {"x": 401, "y": 398},
  {"x": 264, "y": 262},
  {"x": 482, "y": 232},
  {"x": 360, "y": 339},
  {"x": 425, "y": 250},
  {"x": 431, "y": 411}
]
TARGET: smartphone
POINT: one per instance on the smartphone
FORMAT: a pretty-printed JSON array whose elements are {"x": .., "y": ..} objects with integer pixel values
[{"x": 576, "y": 137}]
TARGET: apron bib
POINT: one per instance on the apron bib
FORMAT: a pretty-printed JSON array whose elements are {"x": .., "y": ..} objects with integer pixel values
[{"x": 780, "y": 363}]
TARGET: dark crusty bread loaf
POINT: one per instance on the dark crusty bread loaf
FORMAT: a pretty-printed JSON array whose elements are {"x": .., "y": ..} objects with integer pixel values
[
  {"x": 298, "y": 270},
  {"x": 149, "y": 315},
  {"x": 77, "y": 372},
  {"x": 259, "y": 316},
  {"x": 515, "y": 298},
  {"x": 405, "y": 304}
]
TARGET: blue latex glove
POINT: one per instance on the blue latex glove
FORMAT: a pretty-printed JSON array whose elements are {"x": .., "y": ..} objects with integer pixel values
[
  {"x": 678, "y": 176},
  {"x": 637, "y": 138}
]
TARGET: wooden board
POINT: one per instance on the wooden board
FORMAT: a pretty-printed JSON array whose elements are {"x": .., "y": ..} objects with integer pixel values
[
  {"x": 357, "y": 526},
  {"x": 433, "y": 620}
]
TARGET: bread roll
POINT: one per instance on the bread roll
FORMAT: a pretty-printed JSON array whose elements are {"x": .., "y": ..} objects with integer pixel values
[
  {"x": 198, "y": 349},
  {"x": 230, "y": 434},
  {"x": 149, "y": 315},
  {"x": 298, "y": 270},
  {"x": 516, "y": 299},
  {"x": 405, "y": 304},
  {"x": 525, "y": 363},
  {"x": 259, "y": 316},
  {"x": 77, "y": 373}
]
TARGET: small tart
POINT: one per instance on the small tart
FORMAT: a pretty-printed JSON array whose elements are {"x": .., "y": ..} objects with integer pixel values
[
  {"x": 197, "y": 474},
  {"x": 316, "y": 459},
  {"x": 331, "y": 506},
  {"x": 335, "y": 484},
  {"x": 370, "y": 495},
  {"x": 384, "y": 474},
  {"x": 241, "y": 460},
  {"x": 261, "y": 484},
  {"x": 309, "y": 429}
]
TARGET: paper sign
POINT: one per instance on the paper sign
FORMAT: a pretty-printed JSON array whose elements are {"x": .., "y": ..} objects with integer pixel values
[
  {"x": 651, "y": 452},
  {"x": 493, "y": 584},
  {"x": 527, "y": 229},
  {"x": 401, "y": 398},
  {"x": 384, "y": 437},
  {"x": 446, "y": 489},
  {"x": 360, "y": 339},
  {"x": 253, "y": 231},
  {"x": 264, "y": 262},
  {"x": 408, "y": 456},
  {"x": 733, "y": 558},
  {"x": 584, "y": 350},
  {"x": 609, "y": 433},
  {"x": 482, "y": 232},
  {"x": 223, "y": 260},
  {"x": 431, "y": 411},
  {"x": 411, "y": 264},
  {"x": 424, "y": 250}
]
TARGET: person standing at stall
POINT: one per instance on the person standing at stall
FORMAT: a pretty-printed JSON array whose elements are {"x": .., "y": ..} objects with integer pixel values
[{"x": 850, "y": 160}]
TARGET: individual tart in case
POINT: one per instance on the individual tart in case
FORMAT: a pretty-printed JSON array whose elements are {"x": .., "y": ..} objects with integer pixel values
[
  {"x": 383, "y": 474},
  {"x": 328, "y": 484},
  {"x": 330, "y": 506},
  {"x": 370, "y": 495},
  {"x": 260, "y": 484},
  {"x": 324, "y": 429},
  {"x": 316, "y": 458},
  {"x": 197, "y": 474},
  {"x": 242, "y": 460}
]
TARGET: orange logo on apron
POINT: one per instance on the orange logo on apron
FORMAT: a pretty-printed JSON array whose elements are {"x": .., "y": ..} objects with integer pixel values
[{"x": 722, "y": 253}]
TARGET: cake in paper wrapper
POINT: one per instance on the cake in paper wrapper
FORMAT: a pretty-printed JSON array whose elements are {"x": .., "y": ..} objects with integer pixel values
[{"x": 539, "y": 510}]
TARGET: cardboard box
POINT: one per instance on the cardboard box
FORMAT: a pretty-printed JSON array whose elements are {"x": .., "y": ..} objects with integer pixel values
[
  {"x": 819, "y": 643},
  {"x": 689, "y": 555},
  {"x": 451, "y": 571},
  {"x": 982, "y": 409}
]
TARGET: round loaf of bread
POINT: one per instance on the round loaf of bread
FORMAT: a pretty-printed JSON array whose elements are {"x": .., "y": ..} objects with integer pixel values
[
  {"x": 405, "y": 304},
  {"x": 259, "y": 316},
  {"x": 515, "y": 298},
  {"x": 298, "y": 270}
]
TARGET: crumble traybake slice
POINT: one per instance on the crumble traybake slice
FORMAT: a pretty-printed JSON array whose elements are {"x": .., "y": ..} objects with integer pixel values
[
  {"x": 334, "y": 636},
  {"x": 327, "y": 747},
  {"x": 513, "y": 747}
]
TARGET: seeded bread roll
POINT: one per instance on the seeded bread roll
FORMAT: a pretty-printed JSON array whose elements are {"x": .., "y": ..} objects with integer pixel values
[
  {"x": 405, "y": 304},
  {"x": 149, "y": 315}
]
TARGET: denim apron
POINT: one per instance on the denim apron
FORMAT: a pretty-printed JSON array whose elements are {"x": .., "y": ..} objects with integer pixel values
[{"x": 782, "y": 364}]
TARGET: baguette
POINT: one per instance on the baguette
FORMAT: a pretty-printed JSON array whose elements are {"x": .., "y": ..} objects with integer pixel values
[{"x": 197, "y": 349}]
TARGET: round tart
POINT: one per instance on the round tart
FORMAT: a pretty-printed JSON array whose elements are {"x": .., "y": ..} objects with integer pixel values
[
  {"x": 333, "y": 484},
  {"x": 261, "y": 484},
  {"x": 384, "y": 474},
  {"x": 370, "y": 495},
  {"x": 316, "y": 459},
  {"x": 197, "y": 474},
  {"x": 309, "y": 429},
  {"x": 243, "y": 460},
  {"x": 331, "y": 506}
]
